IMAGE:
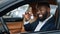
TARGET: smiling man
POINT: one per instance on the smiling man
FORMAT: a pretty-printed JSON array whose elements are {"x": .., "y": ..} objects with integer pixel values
[{"x": 44, "y": 22}]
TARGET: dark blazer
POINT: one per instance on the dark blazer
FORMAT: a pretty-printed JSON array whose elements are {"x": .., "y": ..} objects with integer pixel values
[{"x": 49, "y": 25}]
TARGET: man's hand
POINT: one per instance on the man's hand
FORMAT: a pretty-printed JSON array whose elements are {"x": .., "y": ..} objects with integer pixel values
[{"x": 27, "y": 16}]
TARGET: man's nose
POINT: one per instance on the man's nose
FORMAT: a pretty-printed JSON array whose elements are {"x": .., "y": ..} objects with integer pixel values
[{"x": 39, "y": 12}]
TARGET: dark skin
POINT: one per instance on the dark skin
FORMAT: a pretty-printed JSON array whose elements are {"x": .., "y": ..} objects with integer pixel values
[
  {"x": 27, "y": 16},
  {"x": 43, "y": 12}
]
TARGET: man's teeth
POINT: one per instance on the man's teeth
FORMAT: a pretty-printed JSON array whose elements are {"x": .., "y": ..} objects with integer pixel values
[{"x": 40, "y": 15}]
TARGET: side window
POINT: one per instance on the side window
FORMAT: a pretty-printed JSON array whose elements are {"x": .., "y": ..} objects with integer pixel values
[{"x": 17, "y": 13}]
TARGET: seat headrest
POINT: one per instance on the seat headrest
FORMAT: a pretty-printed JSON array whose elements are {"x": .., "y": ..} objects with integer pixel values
[{"x": 53, "y": 9}]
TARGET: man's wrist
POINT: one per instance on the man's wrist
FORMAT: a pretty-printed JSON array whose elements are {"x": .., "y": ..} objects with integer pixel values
[{"x": 26, "y": 22}]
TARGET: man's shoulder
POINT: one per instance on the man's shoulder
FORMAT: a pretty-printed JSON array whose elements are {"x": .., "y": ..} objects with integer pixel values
[{"x": 52, "y": 18}]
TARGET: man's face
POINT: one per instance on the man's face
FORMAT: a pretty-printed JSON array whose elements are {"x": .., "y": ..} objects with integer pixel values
[{"x": 42, "y": 12}]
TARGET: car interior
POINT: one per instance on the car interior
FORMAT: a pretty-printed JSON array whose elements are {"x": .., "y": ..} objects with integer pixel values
[{"x": 11, "y": 15}]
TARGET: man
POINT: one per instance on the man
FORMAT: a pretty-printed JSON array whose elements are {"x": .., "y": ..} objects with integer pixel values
[{"x": 44, "y": 22}]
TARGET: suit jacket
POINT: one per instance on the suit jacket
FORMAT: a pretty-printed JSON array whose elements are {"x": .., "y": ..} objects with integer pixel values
[{"x": 48, "y": 26}]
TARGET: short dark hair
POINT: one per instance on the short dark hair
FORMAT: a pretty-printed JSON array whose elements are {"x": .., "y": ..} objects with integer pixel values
[{"x": 43, "y": 4}]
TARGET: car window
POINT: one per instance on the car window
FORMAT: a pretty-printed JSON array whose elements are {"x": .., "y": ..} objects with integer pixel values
[{"x": 17, "y": 13}]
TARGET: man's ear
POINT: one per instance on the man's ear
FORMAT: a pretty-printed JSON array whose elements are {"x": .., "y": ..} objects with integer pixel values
[{"x": 48, "y": 10}]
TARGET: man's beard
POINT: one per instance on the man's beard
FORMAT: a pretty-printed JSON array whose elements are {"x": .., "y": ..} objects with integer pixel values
[{"x": 44, "y": 17}]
